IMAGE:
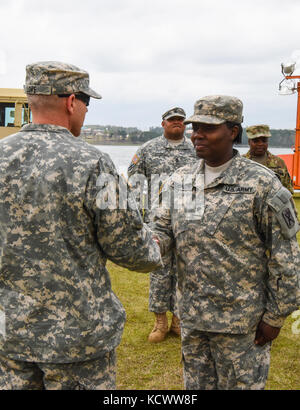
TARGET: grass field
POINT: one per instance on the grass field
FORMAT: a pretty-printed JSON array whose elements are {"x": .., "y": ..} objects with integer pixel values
[{"x": 145, "y": 366}]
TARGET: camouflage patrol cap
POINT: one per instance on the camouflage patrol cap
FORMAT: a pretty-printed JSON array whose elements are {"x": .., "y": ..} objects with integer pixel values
[
  {"x": 256, "y": 131},
  {"x": 217, "y": 109},
  {"x": 54, "y": 77},
  {"x": 174, "y": 112}
]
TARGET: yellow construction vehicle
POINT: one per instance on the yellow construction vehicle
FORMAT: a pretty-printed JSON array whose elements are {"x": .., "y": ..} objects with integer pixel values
[{"x": 14, "y": 111}]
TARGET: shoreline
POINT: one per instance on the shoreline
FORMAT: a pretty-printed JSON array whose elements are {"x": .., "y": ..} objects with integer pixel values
[
  {"x": 113, "y": 144},
  {"x": 141, "y": 143}
]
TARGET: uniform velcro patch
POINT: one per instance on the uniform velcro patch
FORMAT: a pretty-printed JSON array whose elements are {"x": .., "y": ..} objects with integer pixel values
[
  {"x": 233, "y": 189},
  {"x": 135, "y": 159},
  {"x": 283, "y": 208},
  {"x": 288, "y": 217}
]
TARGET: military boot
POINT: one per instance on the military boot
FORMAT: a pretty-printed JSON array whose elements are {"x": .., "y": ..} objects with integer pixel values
[
  {"x": 175, "y": 325},
  {"x": 160, "y": 329}
]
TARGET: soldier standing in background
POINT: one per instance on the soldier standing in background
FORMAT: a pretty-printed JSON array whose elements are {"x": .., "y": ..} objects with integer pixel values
[
  {"x": 162, "y": 156},
  {"x": 60, "y": 320},
  {"x": 237, "y": 257},
  {"x": 258, "y": 138}
]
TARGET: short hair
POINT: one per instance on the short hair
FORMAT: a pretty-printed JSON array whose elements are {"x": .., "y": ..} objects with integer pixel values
[
  {"x": 238, "y": 138},
  {"x": 43, "y": 102}
]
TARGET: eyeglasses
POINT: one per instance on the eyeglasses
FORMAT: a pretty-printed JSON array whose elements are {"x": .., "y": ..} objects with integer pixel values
[{"x": 79, "y": 96}]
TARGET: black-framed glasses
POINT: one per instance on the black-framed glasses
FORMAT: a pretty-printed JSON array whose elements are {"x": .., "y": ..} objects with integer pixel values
[{"x": 80, "y": 96}]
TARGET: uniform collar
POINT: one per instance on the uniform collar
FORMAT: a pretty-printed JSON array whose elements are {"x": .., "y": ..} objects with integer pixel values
[
  {"x": 248, "y": 154},
  {"x": 229, "y": 176},
  {"x": 167, "y": 144},
  {"x": 45, "y": 128}
]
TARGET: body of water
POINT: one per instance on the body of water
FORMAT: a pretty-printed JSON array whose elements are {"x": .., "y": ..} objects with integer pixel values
[{"x": 122, "y": 154}]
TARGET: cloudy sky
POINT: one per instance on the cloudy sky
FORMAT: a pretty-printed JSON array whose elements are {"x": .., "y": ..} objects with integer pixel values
[{"x": 145, "y": 57}]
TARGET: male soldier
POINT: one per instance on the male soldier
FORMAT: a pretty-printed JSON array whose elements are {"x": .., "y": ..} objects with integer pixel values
[
  {"x": 237, "y": 256},
  {"x": 258, "y": 138},
  {"x": 61, "y": 322},
  {"x": 161, "y": 157}
]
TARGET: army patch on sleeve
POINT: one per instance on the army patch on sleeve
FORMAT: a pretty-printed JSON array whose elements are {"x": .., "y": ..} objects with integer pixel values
[
  {"x": 284, "y": 211},
  {"x": 288, "y": 218},
  {"x": 135, "y": 159}
]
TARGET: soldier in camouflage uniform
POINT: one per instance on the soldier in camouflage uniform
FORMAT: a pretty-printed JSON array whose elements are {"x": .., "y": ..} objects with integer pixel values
[
  {"x": 237, "y": 255},
  {"x": 60, "y": 320},
  {"x": 161, "y": 157},
  {"x": 258, "y": 136}
]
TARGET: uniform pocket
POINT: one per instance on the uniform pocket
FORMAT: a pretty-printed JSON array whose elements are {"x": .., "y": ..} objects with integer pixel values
[
  {"x": 215, "y": 212},
  {"x": 19, "y": 309},
  {"x": 251, "y": 368}
]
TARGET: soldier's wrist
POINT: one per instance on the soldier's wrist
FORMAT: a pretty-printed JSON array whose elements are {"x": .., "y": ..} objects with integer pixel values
[{"x": 275, "y": 321}]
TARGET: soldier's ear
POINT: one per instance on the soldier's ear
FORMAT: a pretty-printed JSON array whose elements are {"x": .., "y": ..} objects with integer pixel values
[
  {"x": 70, "y": 104},
  {"x": 234, "y": 132}
]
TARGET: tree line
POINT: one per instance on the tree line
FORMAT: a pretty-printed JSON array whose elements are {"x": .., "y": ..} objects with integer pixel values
[{"x": 280, "y": 137}]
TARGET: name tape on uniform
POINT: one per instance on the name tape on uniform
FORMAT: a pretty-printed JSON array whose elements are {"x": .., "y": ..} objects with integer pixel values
[{"x": 233, "y": 189}]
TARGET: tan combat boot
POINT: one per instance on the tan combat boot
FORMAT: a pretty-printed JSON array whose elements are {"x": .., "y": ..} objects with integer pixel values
[
  {"x": 160, "y": 329},
  {"x": 175, "y": 326}
]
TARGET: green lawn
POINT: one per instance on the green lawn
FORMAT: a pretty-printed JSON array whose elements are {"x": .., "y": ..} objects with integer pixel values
[
  {"x": 145, "y": 366},
  {"x": 142, "y": 365}
]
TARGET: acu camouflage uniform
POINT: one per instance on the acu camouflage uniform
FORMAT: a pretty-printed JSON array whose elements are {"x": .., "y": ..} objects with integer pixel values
[
  {"x": 277, "y": 165},
  {"x": 56, "y": 302},
  {"x": 237, "y": 263},
  {"x": 158, "y": 156}
]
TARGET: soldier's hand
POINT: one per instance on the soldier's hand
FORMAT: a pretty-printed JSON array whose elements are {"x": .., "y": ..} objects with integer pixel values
[{"x": 265, "y": 333}]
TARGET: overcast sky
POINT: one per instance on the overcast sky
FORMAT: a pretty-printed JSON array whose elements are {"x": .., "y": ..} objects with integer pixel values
[{"x": 145, "y": 57}]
